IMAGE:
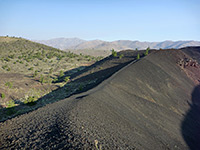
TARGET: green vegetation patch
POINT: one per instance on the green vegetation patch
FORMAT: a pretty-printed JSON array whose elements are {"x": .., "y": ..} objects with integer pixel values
[
  {"x": 114, "y": 53},
  {"x": 9, "y": 84},
  {"x": 31, "y": 100}
]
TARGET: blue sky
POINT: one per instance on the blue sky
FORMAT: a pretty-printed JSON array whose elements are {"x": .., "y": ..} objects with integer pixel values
[{"x": 143, "y": 20}]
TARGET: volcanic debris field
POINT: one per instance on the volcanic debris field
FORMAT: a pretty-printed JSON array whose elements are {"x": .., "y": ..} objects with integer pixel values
[{"x": 119, "y": 102}]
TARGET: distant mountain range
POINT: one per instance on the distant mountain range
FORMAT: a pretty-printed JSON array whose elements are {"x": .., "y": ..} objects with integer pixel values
[{"x": 80, "y": 44}]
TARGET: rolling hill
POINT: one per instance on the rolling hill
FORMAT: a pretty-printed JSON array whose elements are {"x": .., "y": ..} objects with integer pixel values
[
  {"x": 29, "y": 70},
  {"x": 79, "y": 44},
  {"x": 62, "y": 43},
  {"x": 151, "y": 103}
]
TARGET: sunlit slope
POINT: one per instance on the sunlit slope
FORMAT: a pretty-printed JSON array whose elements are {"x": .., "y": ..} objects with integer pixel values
[{"x": 141, "y": 106}]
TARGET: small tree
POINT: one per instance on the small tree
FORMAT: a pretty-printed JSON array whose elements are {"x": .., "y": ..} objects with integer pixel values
[
  {"x": 138, "y": 56},
  {"x": 114, "y": 53},
  {"x": 31, "y": 68},
  {"x": 136, "y": 49},
  {"x": 9, "y": 84},
  {"x": 147, "y": 51},
  {"x": 3, "y": 95},
  {"x": 61, "y": 73},
  {"x": 8, "y": 69},
  {"x": 42, "y": 79},
  {"x": 31, "y": 100},
  {"x": 55, "y": 79},
  {"x": 11, "y": 104},
  {"x": 35, "y": 73},
  {"x": 121, "y": 56},
  {"x": 67, "y": 79},
  {"x": 49, "y": 80}
]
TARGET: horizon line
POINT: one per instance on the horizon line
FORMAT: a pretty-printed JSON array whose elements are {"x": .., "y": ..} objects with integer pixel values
[{"x": 32, "y": 39}]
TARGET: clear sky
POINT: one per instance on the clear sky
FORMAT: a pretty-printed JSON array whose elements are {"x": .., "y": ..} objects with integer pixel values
[{"x": 144, "y": 20}]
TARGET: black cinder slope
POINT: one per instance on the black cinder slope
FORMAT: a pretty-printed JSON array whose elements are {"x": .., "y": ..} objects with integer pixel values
[{"x": 142, "y": 106}]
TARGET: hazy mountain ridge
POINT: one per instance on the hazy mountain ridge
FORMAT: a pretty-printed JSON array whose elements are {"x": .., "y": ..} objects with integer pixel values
[
  {"x": 77, "y": 44},
  {"x": 62, "y": 43}
]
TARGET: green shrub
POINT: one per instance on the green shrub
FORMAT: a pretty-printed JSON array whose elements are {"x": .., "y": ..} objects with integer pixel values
[
  {"x": 138, "y": 56},
  {"x": 10, "y": 107},
  {"x": 67, "y": 79},
  {"x": 31, "y": 100},
  {"x": 10, "y": 104},
  {"x": 55, "y": 79},
  {"x": 49, "y": 79},
  {"x": 8, "y": 69},
  {"x": 35, "y": 73},
  {"x": 3, "y": 95},
  {"x": 9, "y": 84},
  {"x": 121, "y": 56},
  {"x": 50, "y": 55},
  {"x": 11, "y": 56},
  {"x": 38, "y": 55},
  {"x": 114, "y": 53},
  {"x": 61, "y": 73},
  {"x": 7, "y": 59},
  {"x": 5, "y": 66},
  {"x": 59, "y": 57},
  {"x": 42, "y": 80},
  {"x": 31, "y": 68},
  {"x": 27, "y": 60},
  {"x": 147, "y": 51}
]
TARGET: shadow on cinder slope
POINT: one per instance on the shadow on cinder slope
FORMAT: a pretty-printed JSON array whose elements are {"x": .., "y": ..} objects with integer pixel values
[{"x": 191, "y": 123}]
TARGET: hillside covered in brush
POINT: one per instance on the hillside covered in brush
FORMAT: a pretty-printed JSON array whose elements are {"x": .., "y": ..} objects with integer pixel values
[{"x": 29, "y": 70}]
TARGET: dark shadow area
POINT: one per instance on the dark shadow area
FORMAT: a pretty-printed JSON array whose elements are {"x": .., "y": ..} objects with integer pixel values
[
  {"x": 127, "y": 54},
  {"x": 79, "y": 97},
  {"x": 97, "y": 77},
  {"x": 84, "y": 80},
  {"x": 191, "y": 122},
  {"x": 58, "y": 94},
  {"x": 69, "y": 73},
  {"x": 73, "y": 73}
]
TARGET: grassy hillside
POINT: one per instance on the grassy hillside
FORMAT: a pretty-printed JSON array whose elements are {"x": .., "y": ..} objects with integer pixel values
[
  {"x": 23, "y": 56},
  {"x": 29, "y": 70}
]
